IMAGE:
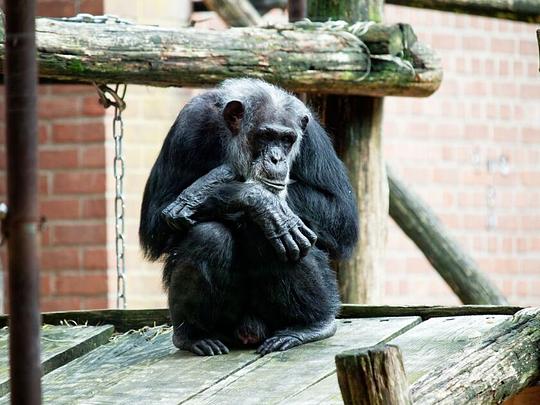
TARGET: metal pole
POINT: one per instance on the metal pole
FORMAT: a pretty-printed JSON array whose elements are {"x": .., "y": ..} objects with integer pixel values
[
  {"x": 297, "y": 10},
  {"x": 22, "y": 221}
]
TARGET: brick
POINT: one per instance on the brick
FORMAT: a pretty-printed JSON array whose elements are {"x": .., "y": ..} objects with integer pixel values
[
  {"x": 91, "y": 106},
  {"x": 531, "y": 134},
  {"x": 60, "y": 209},
  {"x": 91, "y": 6},
  {"x": 84, "y": 284},
  {"x": 46, "y": 284},
  {"x": 57, "y": 107},
  {"x": 55, "y": 8},
  {"x": 95, "y": 259},
  {"x": 71, "y": 89},
  {"x": 60, "y": 303},
  {"x": 499, "y": 45},
  {"x": 96, "y": 303},
  {"x": 78, "y": 132},
  {"x": 58, "y": 159},
  {"x": 64, "y": 258},
  {"x": 79, "y": 183},
  {"x": 93, "y": 156},
  {"x": 80, "y": 234},
  {"x": 94, "y": 208}
]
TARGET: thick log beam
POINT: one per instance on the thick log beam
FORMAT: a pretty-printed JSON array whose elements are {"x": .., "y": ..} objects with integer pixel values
[
  {"x": 518, "y": 10},
  {"x": 503, "y": 362},
  {"x": 373, "y": 376},
  {"x": 454, "y": 265},
  {"x": 316, "y": 59}
]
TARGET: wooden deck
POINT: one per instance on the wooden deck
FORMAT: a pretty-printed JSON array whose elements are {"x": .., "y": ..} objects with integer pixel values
[{"x": 142, "y": 366}]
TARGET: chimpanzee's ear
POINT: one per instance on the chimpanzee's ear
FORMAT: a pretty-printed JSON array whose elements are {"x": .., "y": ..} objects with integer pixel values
[
  {"x": 303, "y": 122},
  {"x": 233, "y": 114}
]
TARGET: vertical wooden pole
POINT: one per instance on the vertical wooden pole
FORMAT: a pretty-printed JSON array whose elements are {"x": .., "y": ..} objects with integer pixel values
[
  {"x": 355, "y": 123},
  {"x": 373, "y": 376}
]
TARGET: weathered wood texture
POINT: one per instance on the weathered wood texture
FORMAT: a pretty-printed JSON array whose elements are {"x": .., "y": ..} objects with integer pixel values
[
  {"x": 355, "y": 123},
  {"x": 504, "y": 361},
  {"x": 144, "y": 367},
  {"x": 59, "y": 345},
  {"x": 373, "y": 376},
  {"x": 455, "y": 266},
  {"x": 519, "y": 10},
  {"x": 315, "y": 59},
  {"x": 122, "y": 319},
  {"x": 237, "y": 13},
  {"x": 281, "y": 377},
  {"x": 424, "y": 346},
  {"x": 425, "y": 312}
]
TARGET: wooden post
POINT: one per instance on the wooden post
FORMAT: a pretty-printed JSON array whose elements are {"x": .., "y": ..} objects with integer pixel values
[
  {"x": 373, "y": 376},
  {"x": 355, "y": 123}
]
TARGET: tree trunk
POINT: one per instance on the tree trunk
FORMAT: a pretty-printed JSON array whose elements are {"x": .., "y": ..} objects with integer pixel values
[
  {"x": 373, "y": 376},
  {"x": 355, "y": 123}
]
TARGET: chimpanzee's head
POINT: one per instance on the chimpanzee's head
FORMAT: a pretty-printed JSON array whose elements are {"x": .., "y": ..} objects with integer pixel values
[{"x": 266, "y": 126}]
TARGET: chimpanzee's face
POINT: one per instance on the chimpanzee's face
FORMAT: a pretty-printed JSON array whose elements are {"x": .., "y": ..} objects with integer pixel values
[{"x": 265, "y": 151}]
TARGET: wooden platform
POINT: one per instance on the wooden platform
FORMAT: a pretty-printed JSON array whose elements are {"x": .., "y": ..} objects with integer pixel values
[{"x": 142, "y": 366}]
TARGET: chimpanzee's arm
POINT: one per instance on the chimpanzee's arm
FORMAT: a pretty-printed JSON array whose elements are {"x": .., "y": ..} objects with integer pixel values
[
  {"x": 180, "y": 213},
  {"x": 289, "y": 236},
  {"x": 191, "y": 149},
  {"x": 322, "y": 195}
]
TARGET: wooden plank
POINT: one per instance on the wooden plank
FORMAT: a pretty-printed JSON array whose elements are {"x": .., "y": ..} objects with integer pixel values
[
  {"x": 424, "y": 346},
  {"x": 280, "y": 376},
  {"x": 59, "y": 345},
  {"x": 424, "y": 311},
  {"x": 504, "y": 361},
  {"x": 139, "y": 367}
]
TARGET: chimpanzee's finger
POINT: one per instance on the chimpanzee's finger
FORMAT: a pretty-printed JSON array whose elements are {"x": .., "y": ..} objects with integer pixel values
[
  {"x": 293, "y": 251},
  {"x": 278, "y": 246},
  {"x": 302, "y": 242},
  {"x": 308, "y": 233}
]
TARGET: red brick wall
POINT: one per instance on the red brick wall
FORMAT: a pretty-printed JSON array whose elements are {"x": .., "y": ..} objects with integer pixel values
[
  {"x": 472, "y": 151},
  {"x": 72, "y": 186}
]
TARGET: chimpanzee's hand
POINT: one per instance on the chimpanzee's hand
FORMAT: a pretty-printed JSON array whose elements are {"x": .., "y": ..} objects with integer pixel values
[
  {"x": 289, "y": 236},
  {"x": 179, "y": 214}
]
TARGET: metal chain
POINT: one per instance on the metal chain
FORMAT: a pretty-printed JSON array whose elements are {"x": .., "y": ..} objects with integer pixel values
[{"x": 117, "y": 101}]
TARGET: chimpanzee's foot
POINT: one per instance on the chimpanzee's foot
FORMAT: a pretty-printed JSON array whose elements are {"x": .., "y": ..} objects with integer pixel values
[
  {"x": 289, "y": 338},
  {"x": 202, "y": 347},
  {"x": 278, "y": 344}
]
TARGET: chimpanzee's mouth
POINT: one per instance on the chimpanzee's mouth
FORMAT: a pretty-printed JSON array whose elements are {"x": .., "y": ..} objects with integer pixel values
[{"x": 274, "y": 184}]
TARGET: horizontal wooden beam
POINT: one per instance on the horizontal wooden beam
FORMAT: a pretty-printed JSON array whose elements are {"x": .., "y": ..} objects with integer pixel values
[
  {"x": 423, "y": 311},
  {"x": 126, "y": 319},
  {"x": 518, "y": 10},
  {"x": 455, "y": 266},
  {"x": 303, "y": 57},
  {"x": 504, "y": 361}
]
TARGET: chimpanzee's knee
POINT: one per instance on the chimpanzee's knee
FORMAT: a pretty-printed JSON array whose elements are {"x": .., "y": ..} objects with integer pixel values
[{"x": 197, "y": 274}]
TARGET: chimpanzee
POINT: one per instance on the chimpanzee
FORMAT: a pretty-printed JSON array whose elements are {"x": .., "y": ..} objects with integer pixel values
[{"x": 246, "y": 203}]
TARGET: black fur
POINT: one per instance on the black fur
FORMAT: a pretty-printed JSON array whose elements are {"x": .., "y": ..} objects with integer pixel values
[{"x": 225, "y": 281}]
